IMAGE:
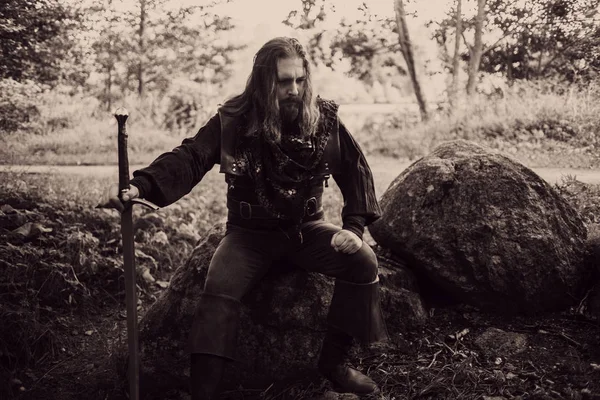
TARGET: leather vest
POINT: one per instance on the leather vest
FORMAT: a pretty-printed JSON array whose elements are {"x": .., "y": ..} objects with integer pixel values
[{"x": 330, "y": 162}]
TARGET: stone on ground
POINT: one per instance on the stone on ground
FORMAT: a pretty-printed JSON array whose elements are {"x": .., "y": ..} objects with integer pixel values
[
  {"x": 495, "y": 342},
  {"x": 486, "y": 230}
]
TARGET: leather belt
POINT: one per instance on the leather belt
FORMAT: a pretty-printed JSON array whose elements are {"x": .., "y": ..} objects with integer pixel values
[{"x": 245, "y": 210}]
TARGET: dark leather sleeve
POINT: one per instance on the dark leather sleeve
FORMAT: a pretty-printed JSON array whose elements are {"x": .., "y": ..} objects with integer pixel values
[
  {"x": 355, "y": 224},
  {"x": 356, "y": 182},
  {"x": 175, "y": 173}
]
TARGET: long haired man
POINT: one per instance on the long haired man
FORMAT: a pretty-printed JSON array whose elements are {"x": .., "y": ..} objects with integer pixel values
[{"x": 277, "y": 145}]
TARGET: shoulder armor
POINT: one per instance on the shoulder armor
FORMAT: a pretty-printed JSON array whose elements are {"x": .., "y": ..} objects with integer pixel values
[
  {"x": 331, "y": 162},
  {"x": 229, "y": 130}
]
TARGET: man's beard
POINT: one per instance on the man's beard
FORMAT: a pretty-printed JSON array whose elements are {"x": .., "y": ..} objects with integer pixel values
[{"x": 289, "y": 110}]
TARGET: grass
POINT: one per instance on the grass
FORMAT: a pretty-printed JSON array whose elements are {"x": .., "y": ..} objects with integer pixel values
[
  {"x": 539, "y": 126},
  {"x": 539, "y": 123}
]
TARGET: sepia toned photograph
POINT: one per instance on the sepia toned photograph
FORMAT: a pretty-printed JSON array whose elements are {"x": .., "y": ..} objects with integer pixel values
[{"x": 299, "y": 199}]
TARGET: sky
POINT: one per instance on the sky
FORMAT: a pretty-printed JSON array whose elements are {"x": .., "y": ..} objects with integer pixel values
[{"x": 273, "y": 11}]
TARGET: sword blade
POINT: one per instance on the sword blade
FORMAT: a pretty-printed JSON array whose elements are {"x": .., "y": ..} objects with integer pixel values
[{"x": 131, "y": 301}]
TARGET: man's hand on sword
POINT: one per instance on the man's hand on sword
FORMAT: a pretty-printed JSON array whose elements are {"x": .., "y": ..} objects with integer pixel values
[{"x": 111, "y": 198}]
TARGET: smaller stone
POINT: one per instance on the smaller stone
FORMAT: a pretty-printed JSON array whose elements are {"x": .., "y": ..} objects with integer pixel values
[{"x": 495, "y": 343}]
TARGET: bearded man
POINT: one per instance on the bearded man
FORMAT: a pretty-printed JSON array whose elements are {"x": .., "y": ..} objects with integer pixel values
[{"x": 277, "y": 145}]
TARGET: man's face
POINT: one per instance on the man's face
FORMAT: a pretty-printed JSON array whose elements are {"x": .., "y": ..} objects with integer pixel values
[{"x": 291, "y": 82}]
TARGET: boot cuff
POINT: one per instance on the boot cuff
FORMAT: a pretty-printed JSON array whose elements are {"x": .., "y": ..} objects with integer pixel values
[
  {"x": 356, "y": 310},
  {"x": 215, "y": 326}
]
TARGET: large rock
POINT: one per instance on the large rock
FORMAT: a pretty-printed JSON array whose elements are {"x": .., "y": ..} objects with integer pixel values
[
  {"x": 281, "y": 328},
  {"x": 486, "y": 230}
]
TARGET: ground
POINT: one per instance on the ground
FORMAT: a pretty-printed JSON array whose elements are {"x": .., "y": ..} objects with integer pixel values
[{"x": 62, "y": 307}]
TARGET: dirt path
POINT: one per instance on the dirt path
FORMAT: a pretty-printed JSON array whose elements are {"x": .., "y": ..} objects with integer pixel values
[{"x": 384, "y": 170}]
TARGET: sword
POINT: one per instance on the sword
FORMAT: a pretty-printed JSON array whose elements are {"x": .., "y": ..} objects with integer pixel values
[{"x": 121, "y": 115}]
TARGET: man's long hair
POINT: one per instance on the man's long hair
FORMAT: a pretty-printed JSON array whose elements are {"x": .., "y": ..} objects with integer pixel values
[{"x": 258, "y": 101}]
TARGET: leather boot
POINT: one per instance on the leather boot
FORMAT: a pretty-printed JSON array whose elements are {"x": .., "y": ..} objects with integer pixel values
[
  {"x": 205, "y": 376},
  {"x": 212, "y": 343},
  {"x": 332, "y": 364},
  {"x": 356, "y": 310}
]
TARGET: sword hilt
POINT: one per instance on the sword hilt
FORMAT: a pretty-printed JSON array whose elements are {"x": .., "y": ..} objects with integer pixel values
[{"x": 121, "y": 114}]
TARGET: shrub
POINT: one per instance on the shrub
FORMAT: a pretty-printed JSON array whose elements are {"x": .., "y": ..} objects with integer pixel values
[
  {"x": 18, "y": 104},
  {"x": 189, "y": 104}
]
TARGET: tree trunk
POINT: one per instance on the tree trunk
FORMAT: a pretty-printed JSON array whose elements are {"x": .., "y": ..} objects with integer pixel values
[
  {"x": 407, "y": 52},
  {"x": 455, "y": 57},
  {"x": 140, "y": 69},
  {"x": 509, "y": 75},
  {"x": 109, "y": 80},
  {"x": 477, "y": 49}
]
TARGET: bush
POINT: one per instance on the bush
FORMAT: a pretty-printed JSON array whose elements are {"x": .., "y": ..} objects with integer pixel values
[
  {"x": 189, "y": 104},
  {"x": 18, "y": 104},
  {"x": 61, "y": 109}
]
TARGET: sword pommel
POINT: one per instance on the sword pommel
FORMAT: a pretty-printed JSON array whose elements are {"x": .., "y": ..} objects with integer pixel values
[{"x": 121, "y": 114}]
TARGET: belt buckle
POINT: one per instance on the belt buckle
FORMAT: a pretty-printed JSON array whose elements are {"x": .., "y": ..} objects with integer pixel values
[
  {"x": 310, "y": 207},
  {"x": 245, "y": 205}
]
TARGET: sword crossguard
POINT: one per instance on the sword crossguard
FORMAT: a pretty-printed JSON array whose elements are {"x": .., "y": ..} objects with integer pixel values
[{"x": 143, "y": 202}]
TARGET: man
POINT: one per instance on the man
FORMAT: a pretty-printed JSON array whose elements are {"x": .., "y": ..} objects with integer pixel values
[{"x": 277, "y": 145}]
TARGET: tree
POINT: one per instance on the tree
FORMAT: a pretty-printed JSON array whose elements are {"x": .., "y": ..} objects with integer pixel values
[
  {"x": 34, "y": 39},
  {"x": 456, "y": 56},
  {"x": 526, "y": 40},
  {"x": 309, "y": 17},
  {"x": 108, "y": 46},
  {"x": 407, "y": 52},
  {"x": 369, "y": 42},
  {"x": 476, "y": 51},
  {"x": 143, "y": 49},
  {"x": 540, "y": 39}
]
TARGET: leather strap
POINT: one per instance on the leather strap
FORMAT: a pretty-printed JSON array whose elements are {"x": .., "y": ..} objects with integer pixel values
[{"x": 246, "y": 210}]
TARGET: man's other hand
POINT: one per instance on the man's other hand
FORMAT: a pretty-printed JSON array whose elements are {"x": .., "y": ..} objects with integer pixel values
[
  {"x": 111, "y": 197},
  {"x": 346, "y": 242}
]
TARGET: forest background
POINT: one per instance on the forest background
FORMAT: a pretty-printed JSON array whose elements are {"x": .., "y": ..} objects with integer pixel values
[{"x": 497, "y": 71}]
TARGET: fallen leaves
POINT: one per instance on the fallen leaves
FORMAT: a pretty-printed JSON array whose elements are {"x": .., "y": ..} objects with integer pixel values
[{"x": 30, "y": 230}]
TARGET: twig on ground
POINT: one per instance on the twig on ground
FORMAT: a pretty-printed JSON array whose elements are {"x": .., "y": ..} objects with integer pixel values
[
  {"x": 580, "y": 308},
  {"x": 570, "y": 339},
  {"x": 434, "y": 357}
]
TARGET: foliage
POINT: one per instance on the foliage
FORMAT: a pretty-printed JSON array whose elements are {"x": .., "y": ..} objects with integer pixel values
[
  {"x": 310, "y": 16},
  {"x": 368, "y": 45},
  {"x": 18, "y": 104},
  {"x": 36, "y": 40},
  {"x": 542, "y": 124},
  {"x": 537, "y": 39},
  {"x": 145, "y": 49},
  {"x": 371, "y": 46},
  {"x": 540, "y": 38}
]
